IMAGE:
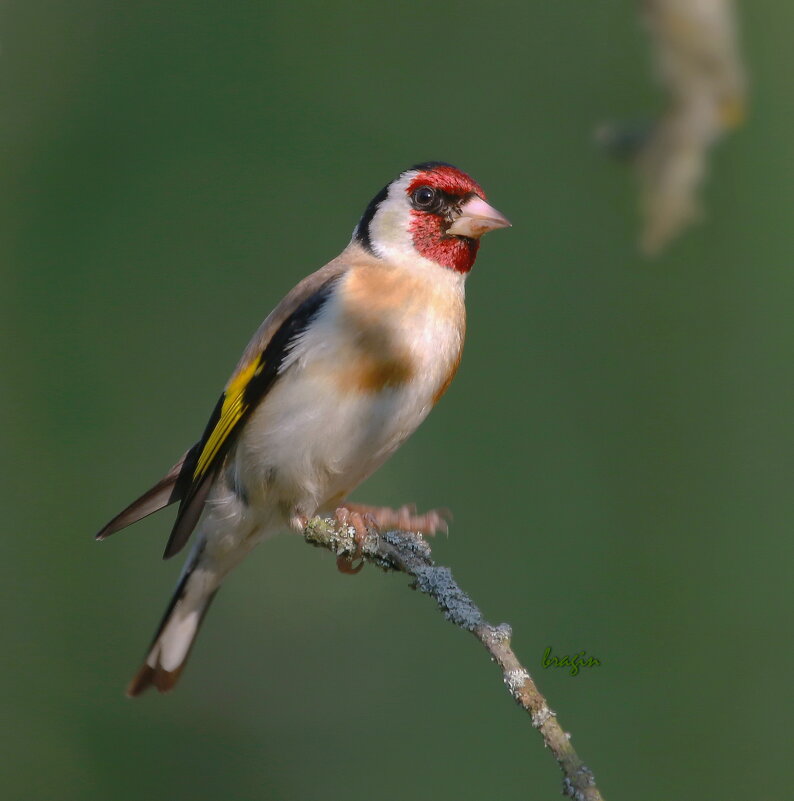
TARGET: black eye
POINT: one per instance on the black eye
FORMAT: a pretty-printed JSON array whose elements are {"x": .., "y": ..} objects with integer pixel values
[{"x": 424, "y": 198}]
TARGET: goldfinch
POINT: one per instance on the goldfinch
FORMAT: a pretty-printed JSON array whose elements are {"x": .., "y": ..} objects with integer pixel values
[{"x": 339, "y": 374}]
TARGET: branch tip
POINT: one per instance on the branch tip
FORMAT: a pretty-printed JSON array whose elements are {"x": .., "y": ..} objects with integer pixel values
[{"x": 409, "y": 553}]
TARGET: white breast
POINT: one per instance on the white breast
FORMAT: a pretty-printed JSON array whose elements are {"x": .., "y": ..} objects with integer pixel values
[{"x": 318, "y": 433}]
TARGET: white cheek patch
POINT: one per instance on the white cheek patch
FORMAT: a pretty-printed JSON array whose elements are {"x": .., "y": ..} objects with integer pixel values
[{"x": 388, "y": 229}]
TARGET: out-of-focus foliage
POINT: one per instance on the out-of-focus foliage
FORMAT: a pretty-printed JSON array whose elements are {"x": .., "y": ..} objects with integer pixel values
[
  {"x": 697, "y": 61},
  {"x": 617, "y": 447}
]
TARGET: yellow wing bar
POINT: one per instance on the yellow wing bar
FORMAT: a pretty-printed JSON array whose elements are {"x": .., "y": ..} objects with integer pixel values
[{"x": 233, "y": 408}]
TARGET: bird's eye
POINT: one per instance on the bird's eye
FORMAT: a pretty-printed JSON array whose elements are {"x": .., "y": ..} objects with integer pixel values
[{"x": 424, "y": 198}]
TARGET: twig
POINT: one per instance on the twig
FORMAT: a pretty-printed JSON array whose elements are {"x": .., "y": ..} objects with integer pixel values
[
  {"x": 409, "y": 553},
  {"x": 698, "y": 63}
]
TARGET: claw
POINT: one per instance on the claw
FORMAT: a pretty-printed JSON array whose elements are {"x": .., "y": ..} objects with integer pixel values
[
  {"x": 361, "y": 523},
  {"x": 344, "y": 564}
]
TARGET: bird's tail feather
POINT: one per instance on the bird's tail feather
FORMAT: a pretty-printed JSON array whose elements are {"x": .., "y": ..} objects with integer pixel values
[{"x": 177, "y": 631}]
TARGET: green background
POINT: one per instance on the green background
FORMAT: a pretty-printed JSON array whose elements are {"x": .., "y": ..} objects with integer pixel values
[{"x": 617, "y": 448}]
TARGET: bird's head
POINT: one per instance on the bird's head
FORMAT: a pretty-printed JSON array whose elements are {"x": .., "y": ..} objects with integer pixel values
[{"x": 433, "y": 211}]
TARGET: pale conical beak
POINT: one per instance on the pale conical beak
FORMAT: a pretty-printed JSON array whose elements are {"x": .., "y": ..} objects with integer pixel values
[{"x": 477, "y": 218}]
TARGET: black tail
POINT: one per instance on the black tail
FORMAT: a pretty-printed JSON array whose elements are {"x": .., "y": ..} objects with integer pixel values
[{"x": 177, "y": 631}]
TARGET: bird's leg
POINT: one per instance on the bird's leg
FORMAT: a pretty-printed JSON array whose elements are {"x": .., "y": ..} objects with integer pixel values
[
  {"x": 361, "y": 522},
  {"x": 298, "y": 522},
  {"x": 404, "y": 518}
]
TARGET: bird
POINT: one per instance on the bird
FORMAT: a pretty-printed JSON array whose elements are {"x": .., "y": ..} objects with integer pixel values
[{"x": 335, "y": 379}]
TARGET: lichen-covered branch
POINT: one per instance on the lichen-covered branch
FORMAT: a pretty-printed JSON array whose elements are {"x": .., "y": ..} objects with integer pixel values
[{"x": 410, "y": 554}]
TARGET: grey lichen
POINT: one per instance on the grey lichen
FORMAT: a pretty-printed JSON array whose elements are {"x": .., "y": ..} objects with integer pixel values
[
  {"x": 584, "y": 777},
  {"x": 500, "y": 634},
  {"x": 456, "y": 605},
  {"x": 413, "y": 543},
  {"x": 514, "y": 680},
  {"x": 569, "y": 789},
  {"x": 540, "y": 716}
]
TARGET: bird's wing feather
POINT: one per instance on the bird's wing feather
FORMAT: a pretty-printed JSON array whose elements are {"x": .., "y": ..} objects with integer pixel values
[
  {"x": 163, "y": 493},
  {"x": 252, "y": 379}
]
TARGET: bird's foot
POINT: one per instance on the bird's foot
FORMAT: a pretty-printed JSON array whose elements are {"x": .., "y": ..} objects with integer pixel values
[
  {"x": 361, "y": 522},
  {"x": 404, "y": 518}
]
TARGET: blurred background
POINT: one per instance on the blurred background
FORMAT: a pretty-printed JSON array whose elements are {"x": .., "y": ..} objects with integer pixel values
[{"x": 617, "y": 447}]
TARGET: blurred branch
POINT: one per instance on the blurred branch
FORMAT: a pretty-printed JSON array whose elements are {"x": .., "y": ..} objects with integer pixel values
[
  {"x": 410, "y": 553},
  {"x": 697, "y": 61}
]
